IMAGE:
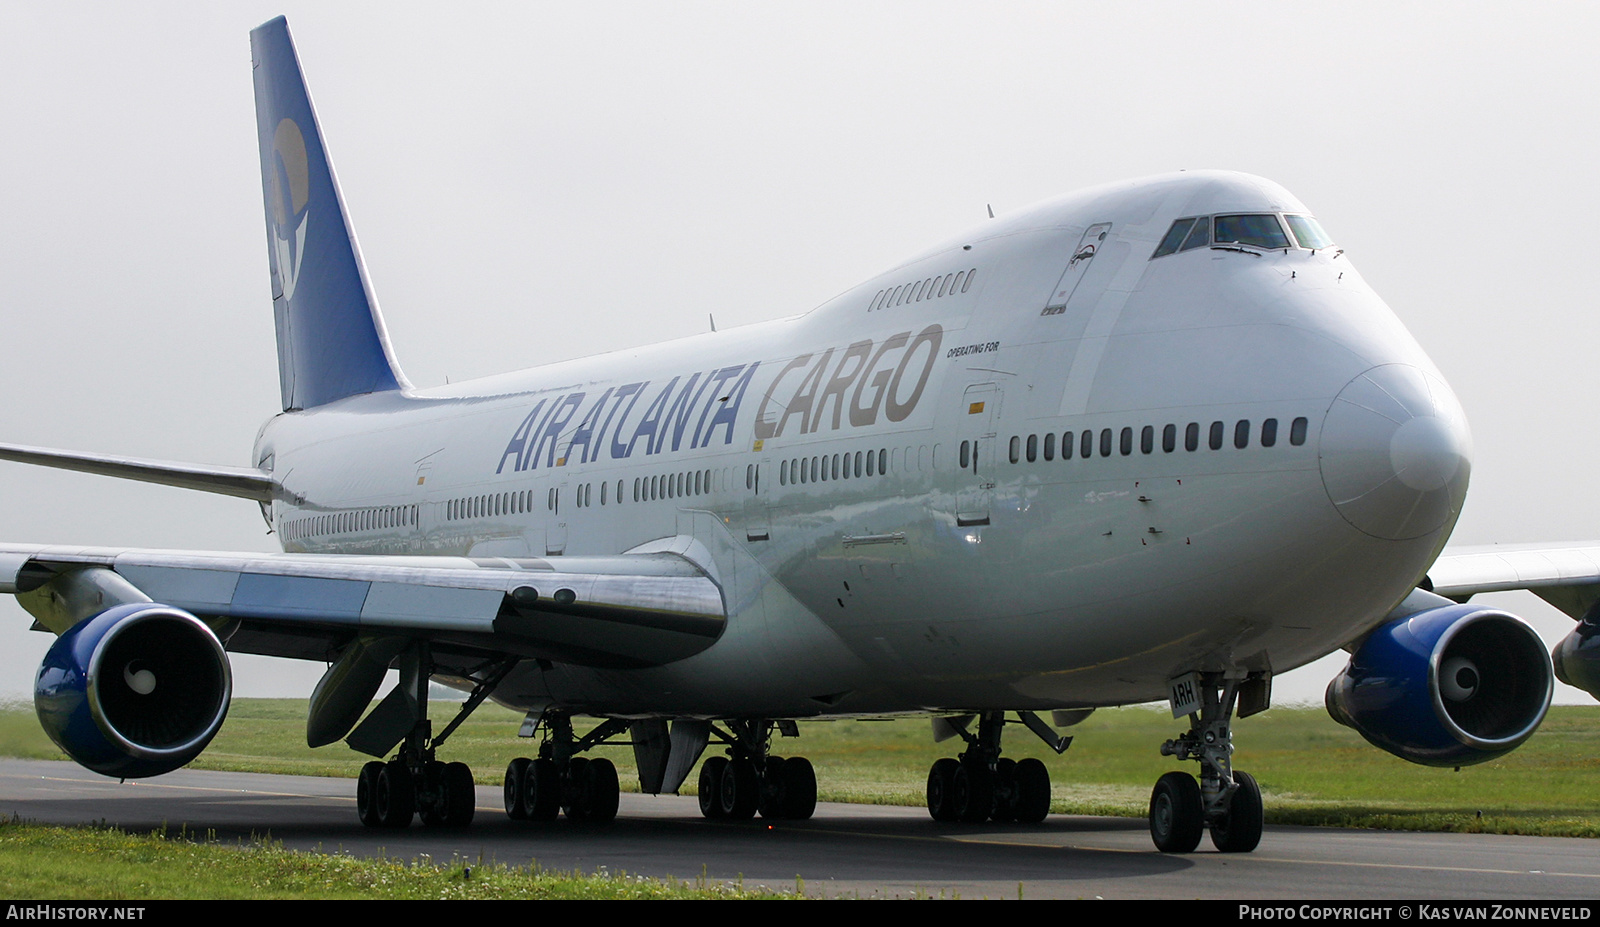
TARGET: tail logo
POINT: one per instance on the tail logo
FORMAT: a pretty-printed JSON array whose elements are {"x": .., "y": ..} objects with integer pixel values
[{"x": 291, "y": 187}]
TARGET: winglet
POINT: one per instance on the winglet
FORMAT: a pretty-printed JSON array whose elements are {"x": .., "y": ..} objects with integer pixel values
[{"x": 331, "y": 338}]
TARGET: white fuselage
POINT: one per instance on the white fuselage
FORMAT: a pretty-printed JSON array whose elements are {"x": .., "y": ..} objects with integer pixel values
[{"x": 942, "y": 574}]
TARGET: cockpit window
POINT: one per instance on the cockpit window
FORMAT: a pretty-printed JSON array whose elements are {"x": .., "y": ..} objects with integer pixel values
[
  {"x": 1201, "y": 236},
  {"x": 1258, "y": 231},
  {"x": 1308, "y": 233},
  {"x": 1174, "y": 238}
]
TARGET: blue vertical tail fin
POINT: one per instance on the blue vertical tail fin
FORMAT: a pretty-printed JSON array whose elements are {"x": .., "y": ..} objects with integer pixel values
[{"x": 331, "y": 339}]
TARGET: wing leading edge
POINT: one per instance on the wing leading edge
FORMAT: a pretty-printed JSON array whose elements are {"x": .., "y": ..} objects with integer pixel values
[{"x": 1566, "y": 576}]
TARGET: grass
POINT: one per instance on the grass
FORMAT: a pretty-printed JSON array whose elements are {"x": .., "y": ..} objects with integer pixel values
[
  {"x": 91, "y": 863},
  {"x": 1311, "y": 770}
]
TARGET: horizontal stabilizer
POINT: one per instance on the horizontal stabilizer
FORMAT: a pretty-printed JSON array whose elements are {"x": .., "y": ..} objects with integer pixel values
[{"x": 244, "y": 482}]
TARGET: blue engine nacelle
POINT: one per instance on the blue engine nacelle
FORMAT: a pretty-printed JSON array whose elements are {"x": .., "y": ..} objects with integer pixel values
[
  {"x": 137, "y": 690},
  {"x": 1449, "y": 686}
]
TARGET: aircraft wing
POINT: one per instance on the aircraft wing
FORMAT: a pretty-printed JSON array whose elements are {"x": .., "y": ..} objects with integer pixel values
[
  {"x": 1566, "y": 576},
  {"x": 629, "y": 610}
]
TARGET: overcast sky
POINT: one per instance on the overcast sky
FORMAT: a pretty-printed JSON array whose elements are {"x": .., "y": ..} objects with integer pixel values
[{"x": 532, "y": 182}]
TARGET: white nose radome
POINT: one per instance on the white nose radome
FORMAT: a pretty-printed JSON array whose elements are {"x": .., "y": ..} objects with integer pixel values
[{"x": 1395, "y": 453}]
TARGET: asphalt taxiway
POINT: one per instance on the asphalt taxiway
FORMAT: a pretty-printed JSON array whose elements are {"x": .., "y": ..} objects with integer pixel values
[{"x": 865, "y": 850}]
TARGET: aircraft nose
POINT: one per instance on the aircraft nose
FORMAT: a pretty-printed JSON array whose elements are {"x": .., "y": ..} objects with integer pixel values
[{"x": 1395, "y": 453}]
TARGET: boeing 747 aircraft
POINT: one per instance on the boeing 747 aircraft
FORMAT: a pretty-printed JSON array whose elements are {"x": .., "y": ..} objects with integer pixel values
[{"x": 1155, "y": 440}]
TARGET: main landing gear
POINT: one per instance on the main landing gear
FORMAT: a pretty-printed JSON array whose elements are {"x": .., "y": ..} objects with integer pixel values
[
  {"x": 414, "y": 782},
  {"x": 750, "y": 780},
  {"x": 559, "y": 781},
  {"x": 1225, "y": 800},
  {"x": 981, "y": 785}
]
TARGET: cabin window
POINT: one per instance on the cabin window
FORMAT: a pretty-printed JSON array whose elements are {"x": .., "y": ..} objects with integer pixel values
[
  {"x": 1191, "y": 437},
  {"x": 1050, "y": 446},
  {"x": 1033, "y": 448},
  {"x": 1126, "y": 444},
  {"x": 1297, "y": 432},
  {"x": 1241, "y": 434},
  {"x": 1016, "y": 448},
  {"x": 1217, "y": 430},
  {"x": 970, "y": 274},
  {"x": 1269, "y": 432},
  {"x": 1105, "y": 442},
  {"x": 966, "y": 454},
  {"x": 1169, "y": 439},
  {"x": 1147, "y": 439}
]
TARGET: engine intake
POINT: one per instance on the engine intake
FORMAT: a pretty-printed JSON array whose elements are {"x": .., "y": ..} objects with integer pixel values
[
  {"x": 137, "y": 690},
  {"x": 1448, "y": 686}
]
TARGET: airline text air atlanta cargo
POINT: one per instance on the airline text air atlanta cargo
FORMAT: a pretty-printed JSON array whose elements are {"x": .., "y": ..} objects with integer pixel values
[{"x": 1151, "y": 440}]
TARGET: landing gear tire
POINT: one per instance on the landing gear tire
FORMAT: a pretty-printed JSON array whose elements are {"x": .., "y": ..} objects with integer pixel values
[
  {"x": 595, "y": 785},
  {"x": 1239, "y": 831},
  {"x": 1005, "y": 791},
  {"x": 799, "y": 789},
  {"x": 941, "y": 789},
  {"x": 711, "y": 786},
  {"x": 740, "y": 790},
  {"x": 516, "y": 775},
  {"x": 541, "y": 791},
  {"x": 973, "y": 793},
  {"x": 394, "y": 796},
  {"x": 1177, "y": 813},
  {"x": 772, "y": 787},
  {"x": 572, "y": 803},
  {"x": 460, "y": 799},
  {"x": 433, "y": 804},
  {"x": 1031, "y": 781},
  {"x": 366, "y": 787}
]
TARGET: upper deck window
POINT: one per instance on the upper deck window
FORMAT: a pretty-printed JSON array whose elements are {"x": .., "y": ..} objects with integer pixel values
[
  {"x": 1257, "y": 231},
  {"x": 1308, "y": 233}
]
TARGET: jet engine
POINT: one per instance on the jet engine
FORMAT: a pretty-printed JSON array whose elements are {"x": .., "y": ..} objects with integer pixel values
[
  {"x": 137, "y": 690},
  {"x": 1448, "y": 686}
]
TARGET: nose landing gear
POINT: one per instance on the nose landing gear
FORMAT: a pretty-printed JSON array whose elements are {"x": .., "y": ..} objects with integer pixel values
[{"x": 1224, "y": 799}]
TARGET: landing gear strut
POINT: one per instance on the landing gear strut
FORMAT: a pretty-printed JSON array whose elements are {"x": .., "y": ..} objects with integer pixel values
[
  {"x": 559, "y": 781},
  {"x": 1225, "y": 800},
  {"x": 750, "y": 780},
  {"x": 981, "y": 785}
]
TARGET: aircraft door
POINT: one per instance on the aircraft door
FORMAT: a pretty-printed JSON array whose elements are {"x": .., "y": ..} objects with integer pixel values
[
  {"x": 975, "y": 455},
  {"x": 555, "y": 533},
  {"x": 1082, "y": 256}
]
